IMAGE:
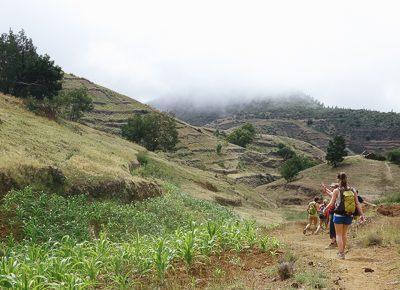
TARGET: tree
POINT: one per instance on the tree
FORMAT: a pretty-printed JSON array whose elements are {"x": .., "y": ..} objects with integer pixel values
[
  {"x": 155, "y": 131},
  {"x": 75, "y": 102},
  {"x": 291, "y": 168},
  {"x": 336, "y": 151},
  {"x": 243, "y": 135},
  {"x": 23, "y": 72}
]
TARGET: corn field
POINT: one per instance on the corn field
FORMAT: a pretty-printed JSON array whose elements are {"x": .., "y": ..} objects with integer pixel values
[{"x": 70, "y": 263}]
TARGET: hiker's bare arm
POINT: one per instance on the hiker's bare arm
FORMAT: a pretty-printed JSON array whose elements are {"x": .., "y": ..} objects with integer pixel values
[
  {"x": 369, "y": 203},
  {"x": 329, "y": 192},
  {"x": 326, "y": 190},
  {"x": 359, "y": 207},
  {"x": 333, "y": 199}
]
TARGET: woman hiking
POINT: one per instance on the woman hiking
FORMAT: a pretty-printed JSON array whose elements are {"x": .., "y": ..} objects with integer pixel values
[
  {"x": 346, "y": 206},
  {"x": 312, "y": 211}
]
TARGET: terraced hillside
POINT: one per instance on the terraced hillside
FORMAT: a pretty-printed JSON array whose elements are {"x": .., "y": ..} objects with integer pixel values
[
  {"x": 299, "y": 117},
  {"x": 71, "y": 158},
  {"x": 197, "y": 146}
]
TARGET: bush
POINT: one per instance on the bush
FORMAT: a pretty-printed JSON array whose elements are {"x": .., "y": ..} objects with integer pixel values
[
  {"x": 23, "y": 72},
  {"x": 155, "y": 131},
  {"x": 74, "y": 103},
  {"x": 336, "y": 151},
  {"x": 243, "y": 135},
  {"x": 70, "y": 105},
  {"x": 142, "y": 158},
  {"x": 285, "y": 152},
  {"x": 218, "y": 149},
  {"x": 294, "y": 165},
  {"x": 392, "y": 197},
  {"x": 374, "y": 239},
  {"x": 50, "y": 108},
  {"x": 394, "y": 156}
]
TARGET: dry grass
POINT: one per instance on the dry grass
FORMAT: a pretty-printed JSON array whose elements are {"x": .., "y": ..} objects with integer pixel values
[
  {"x": 93, "y": 161},
  {"x": 29, "y": 144},
  {"x": 368, "y": 176}
]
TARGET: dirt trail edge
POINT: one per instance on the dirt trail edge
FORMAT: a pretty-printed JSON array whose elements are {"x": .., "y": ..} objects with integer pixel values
[{"x": 364, "y": 268}]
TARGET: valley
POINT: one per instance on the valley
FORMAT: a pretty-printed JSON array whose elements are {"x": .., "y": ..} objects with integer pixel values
[{"x": 87, "y": 174}]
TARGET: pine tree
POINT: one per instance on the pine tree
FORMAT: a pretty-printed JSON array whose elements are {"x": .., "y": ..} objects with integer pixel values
[
  {"x": 336, "y": 151},
  {"x": 23, "y": 72}
]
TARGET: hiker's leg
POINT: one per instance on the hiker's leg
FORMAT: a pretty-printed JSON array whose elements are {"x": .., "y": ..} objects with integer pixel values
[
  {"x": 345, "y": 229},
  {"x": 319, "y": 227},
  {"x": 307, "y": 226},
  {"x": 332, "y": 232},
  {"x": 316, "y": 221},
  {"x": 339, "y": 237}
]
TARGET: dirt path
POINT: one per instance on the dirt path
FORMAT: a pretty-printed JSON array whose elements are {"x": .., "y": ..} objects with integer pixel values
[
  {"x": 349, "y": 273},
  {"x": 389, "y": 175}
]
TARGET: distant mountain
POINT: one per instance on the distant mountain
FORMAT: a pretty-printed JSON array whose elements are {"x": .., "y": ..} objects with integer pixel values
[
  {"x": 298, "y": 116},
  {"x": 199, "y": 111}
]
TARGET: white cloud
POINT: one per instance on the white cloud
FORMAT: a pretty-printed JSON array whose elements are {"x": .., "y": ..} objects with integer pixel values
[{"x": 344, "y": 53}]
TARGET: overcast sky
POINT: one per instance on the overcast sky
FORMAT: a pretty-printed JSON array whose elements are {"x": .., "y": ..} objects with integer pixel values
[{"x": 344, "y": 53}]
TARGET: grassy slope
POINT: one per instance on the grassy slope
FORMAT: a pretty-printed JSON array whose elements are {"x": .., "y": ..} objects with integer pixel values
[
  {"x": 371, "y": 177},
  {"x": 197, "y": 145},
  {"x": 35, "y": 151},
  {"x": 30, "y": 145}
]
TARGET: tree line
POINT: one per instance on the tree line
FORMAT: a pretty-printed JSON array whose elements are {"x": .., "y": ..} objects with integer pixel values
[{"x": 26, "y": 74}]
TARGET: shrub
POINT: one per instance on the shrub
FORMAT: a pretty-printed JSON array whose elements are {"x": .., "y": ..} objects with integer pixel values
[
  {"x": 155, "y": 131},
  {"x": 285, "y": 152},
  {"x": 374, "y": 239},
  {"x": 315, "y": 279},
  {"x": 25, "y": 73},
  {"x": 285, "y": 270},
  {"x": 70, "y": 105},
  {"x": 74, "y": 103},
  {"x": 394, "y": 156},
  {"x": 336, "y": 151},
  {"x": 293, "y": 166},
  {"x": 218, "y": 149},
  {"x": 243, "y": 135},
  {"x": 50, "y": 108},
  {"x": 392, "y": 197},
  {"x": 142, "y": 158}
]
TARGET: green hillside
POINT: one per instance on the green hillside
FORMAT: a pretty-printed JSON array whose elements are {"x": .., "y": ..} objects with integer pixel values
[
  {"x": 299, "y": 117},
  {"x": 197, "y": 145},
  {"x": 372, "y": 178}
]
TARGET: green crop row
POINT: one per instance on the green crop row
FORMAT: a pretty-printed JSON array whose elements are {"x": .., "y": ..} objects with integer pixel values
[
  {"x": 66, "y": 264},
  {"x": 56, "y": 247}
]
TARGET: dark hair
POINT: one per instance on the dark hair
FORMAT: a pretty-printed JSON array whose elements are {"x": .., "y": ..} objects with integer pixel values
[
  {"x": 316, "y": 199},
  {"x": 342, "y": 177}
]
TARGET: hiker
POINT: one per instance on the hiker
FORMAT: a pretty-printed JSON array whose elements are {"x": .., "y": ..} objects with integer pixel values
[
  {"x": 322, "y": 217},
  {"x": 312, "y": 211},
  {"x": 329, "y": 213},
  {"x": 345, "y": 200}
]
